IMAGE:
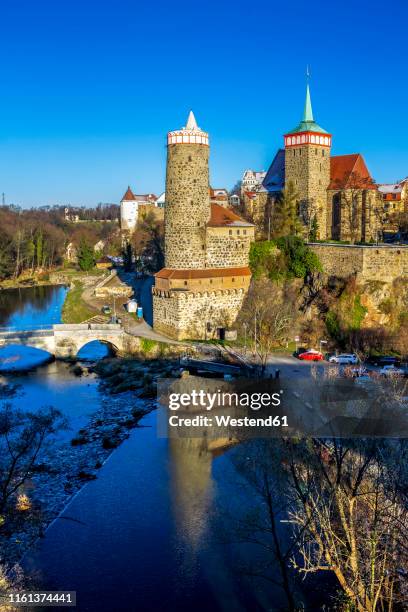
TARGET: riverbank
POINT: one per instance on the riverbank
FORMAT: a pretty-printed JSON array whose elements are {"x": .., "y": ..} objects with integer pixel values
[
  {"x": 75, "y": 310},
  {"x": 63, "y": 469}
]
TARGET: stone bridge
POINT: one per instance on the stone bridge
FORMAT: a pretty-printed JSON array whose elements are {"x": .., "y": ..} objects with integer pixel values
[{"x": 64, "y": 341}]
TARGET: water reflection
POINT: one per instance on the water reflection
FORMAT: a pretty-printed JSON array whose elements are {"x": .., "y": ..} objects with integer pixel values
[
  {"x": 192, "y": 487},
  {"x": 94, "y": 350},
  {"x": 30, "y": 307}
]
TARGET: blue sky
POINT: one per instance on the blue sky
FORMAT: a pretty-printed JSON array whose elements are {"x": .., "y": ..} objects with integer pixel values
[{"x": 88, "y": 89}]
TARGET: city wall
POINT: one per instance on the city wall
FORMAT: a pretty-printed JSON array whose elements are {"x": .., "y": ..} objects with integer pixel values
[
  {"x": 184, "y": 314},
  {"x": 378, "y": 262}
]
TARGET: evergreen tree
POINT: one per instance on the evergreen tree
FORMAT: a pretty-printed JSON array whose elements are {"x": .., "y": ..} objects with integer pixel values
[
  {"x": 128, "y": 257},
  {"x": 314, "y": 230},
  {"x": 86, "y": 258},
  {"x": 286, "y": 220}
]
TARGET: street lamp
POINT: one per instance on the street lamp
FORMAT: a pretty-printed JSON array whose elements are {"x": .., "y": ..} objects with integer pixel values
[{"x": 322, "y": 342}]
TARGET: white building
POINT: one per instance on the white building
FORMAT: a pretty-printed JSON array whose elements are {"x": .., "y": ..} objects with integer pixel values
[
  {"x": 252, "y": 180},
  {"x": 161, "y": 200},
  {"x": 129, "y": 208}
]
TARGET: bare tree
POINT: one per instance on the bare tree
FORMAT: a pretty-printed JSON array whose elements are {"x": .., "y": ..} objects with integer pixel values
[
  {"x": 351, "y": 509},
  {"x": 268, "y": 317},
  {"x": 22, "y": 438},
  {"x": 353, "y": 205}
]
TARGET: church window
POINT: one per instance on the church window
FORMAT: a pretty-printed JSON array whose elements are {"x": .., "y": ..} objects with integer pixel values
[
  {"x": 320, "y": 167},
  {"x": 233, "y": 279},
  {"x": 202, "y": 247},
  {"x": 230, "y": 232},
  {"x": 244, "y": 232},
  {"x": 316, "y": 151},
  {"x": 323, "y": 153},
  {"x": 237, "y": 231},
  {"x": 185, "y": 282},
  {"x": 190, "y": 158}
]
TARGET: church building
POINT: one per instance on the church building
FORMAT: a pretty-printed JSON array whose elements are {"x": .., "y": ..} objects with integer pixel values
[{"x": 336, "y": 195}]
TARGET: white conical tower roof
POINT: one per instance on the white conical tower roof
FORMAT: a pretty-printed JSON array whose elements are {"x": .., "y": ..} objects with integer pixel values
[
  {"x": 189, "y": 134},
  {"x": 191, "y": 122}
]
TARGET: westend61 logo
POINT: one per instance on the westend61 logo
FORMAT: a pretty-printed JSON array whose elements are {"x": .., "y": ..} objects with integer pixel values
[{"x": 208, "y": 401}]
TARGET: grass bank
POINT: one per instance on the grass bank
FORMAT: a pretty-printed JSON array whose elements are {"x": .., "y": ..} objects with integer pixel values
[{"x": 75, "y": 310}]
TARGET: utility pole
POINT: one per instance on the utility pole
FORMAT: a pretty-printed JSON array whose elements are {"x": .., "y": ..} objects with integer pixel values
[{"x": 255, "y": 338}]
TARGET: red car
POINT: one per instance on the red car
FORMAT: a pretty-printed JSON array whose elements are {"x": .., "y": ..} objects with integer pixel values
[{"x": 311, "y": 355}]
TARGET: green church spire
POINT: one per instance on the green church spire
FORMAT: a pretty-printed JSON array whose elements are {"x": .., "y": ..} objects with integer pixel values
[
  {"x": 308, "y": 123},
  {"x": 308, "y": 112}
]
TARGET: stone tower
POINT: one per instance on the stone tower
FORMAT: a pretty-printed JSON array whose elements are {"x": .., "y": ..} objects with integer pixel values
[
  {"x": 187, "y": 197},
  {"x": 199, "y": 292},
  {"x": 307, "y": 166}
]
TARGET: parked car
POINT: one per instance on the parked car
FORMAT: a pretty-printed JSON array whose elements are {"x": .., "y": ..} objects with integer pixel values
[
  {"x": 344, "y": 358},
  {"x": 391, "y": 370},
  {"x": 382, "y": 360},
  {"x": 311, "y": 355},
  {"x": 299, "y": 351}
]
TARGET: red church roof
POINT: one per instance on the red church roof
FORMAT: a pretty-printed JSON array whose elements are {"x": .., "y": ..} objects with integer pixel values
[{"x": 347, "y": 170}]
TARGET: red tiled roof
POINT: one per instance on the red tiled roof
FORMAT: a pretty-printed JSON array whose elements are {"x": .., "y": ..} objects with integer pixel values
[
  {"x": 204, "y": 273},
  {"x": 224, "y": 216},
  {"x": 349, "y": 171},
  {"x": 128, "y": 195}
]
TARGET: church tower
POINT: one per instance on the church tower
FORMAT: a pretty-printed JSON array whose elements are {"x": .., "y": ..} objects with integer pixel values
[
  {"x": 307, "y": 166},
  {"x": 187, "y": 197}
]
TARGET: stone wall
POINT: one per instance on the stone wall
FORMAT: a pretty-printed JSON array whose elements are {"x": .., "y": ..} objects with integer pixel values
[
  {"x": 382, "y": 263},
  {"x": 358, "y": 222},
  {"x": 184, "y": 314},
  {"x": 187, "y": 205},
  {"x": 228, "y": 247}
]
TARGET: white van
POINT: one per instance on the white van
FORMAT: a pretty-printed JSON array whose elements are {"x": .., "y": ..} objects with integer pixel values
[{"x": 344, "y": 358}]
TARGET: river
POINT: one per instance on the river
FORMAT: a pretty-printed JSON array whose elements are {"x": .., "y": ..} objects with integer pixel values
[{"x": 149, "y": 532}]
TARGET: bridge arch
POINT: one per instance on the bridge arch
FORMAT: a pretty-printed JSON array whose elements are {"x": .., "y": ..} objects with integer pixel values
[{"x": 93, "y": 349}]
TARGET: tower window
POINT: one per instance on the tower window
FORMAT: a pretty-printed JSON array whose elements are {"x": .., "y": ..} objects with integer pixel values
[
  {"x": 323, "y": 153},
  {"x": 237, "y": 231},
  {"x": 233, "y": 279},
  {"x": 230, "y": 232},
  {"x": 316, "y": 151},
  {"x": 190, "y": 158},
  {"x": 185, "y": 282},
  {"x": 244, "y": 232},
  {"x": 198, "y": 223}
]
